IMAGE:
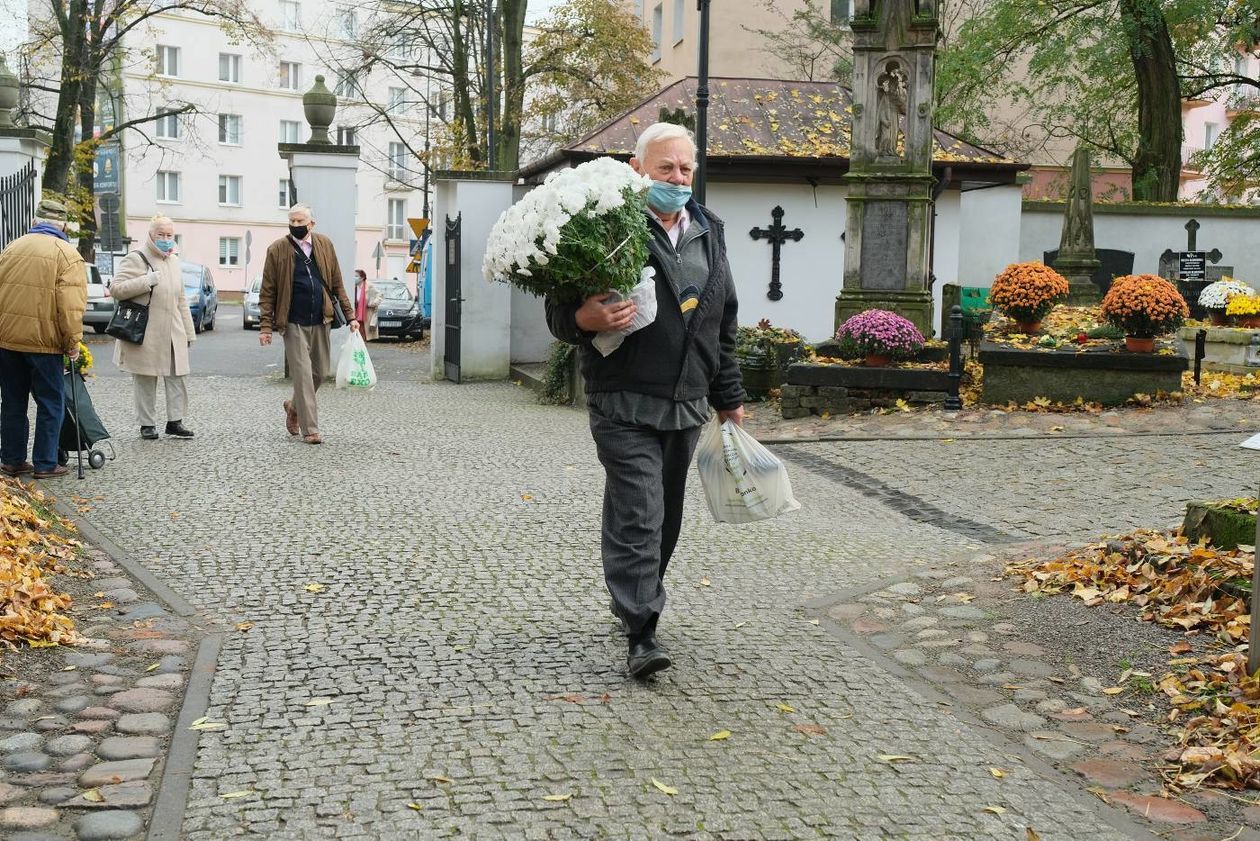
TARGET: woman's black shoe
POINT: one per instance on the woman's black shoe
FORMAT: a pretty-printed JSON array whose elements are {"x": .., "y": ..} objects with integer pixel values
[
  {"x": 177, "y": 429},
  {"x": 148, "y": 433}
]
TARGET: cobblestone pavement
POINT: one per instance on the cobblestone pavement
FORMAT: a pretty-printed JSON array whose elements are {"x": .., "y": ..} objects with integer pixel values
[{"x": 457, "y": 664}]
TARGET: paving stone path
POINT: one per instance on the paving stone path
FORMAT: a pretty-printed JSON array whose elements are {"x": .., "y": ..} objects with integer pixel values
[{"x": 431, "y": 654}]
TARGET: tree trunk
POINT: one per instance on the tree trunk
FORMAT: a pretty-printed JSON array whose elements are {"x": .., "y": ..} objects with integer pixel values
[
  {"x": 60, "y": 161},
  {"x": 512, "y": 14},
  {"x": 83, "y": 172},
  {"x": 465, "y": 121},
  {"x": 1157, "y": 163}
]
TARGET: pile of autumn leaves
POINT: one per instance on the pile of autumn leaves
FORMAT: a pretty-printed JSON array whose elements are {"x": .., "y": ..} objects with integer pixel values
[
  {"x": 33, "y": 545},
  {"x": 1196, "y": 589}
]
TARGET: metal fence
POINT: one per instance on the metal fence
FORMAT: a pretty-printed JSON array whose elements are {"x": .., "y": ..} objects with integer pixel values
[{"x": 17, "y": 203}]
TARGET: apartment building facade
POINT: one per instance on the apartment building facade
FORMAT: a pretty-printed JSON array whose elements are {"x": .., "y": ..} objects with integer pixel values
[{"x": 217, "y": 172}]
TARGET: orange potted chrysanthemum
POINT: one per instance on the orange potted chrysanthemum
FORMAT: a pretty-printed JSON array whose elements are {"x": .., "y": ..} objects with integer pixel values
[
  {"x": 1026, "y": 292},
  {"x": 1144, "y": 306}
]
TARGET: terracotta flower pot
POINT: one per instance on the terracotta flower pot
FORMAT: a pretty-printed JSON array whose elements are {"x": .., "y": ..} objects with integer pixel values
[
  {"x": 878, "y": 360},
  {"x": 1139, "y": 344},
  {"x": 1030, "y": 328}
]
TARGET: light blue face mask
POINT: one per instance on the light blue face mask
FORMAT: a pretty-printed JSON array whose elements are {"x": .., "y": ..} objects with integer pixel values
[
  {"x": 164, "y": 245},
  {"x": 666, "y": 197}
]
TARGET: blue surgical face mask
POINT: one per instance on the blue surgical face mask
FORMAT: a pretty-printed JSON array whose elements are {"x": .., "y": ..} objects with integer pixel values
[
  {"x": 666, "y": 197},
  {"x": 164, "y": 245}
]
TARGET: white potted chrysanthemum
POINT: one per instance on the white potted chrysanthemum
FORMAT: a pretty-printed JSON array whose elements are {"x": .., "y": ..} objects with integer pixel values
[{"x": 1215, "y": 298}]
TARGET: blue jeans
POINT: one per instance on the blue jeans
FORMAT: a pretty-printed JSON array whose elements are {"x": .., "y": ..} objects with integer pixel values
[{"x": 21, "y": 376}]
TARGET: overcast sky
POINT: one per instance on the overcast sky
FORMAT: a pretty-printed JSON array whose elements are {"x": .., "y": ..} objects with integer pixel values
[{"x": 538, "y": 8}]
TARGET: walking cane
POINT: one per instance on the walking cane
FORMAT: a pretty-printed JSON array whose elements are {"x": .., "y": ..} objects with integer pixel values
[{"x": 74, "y": 403}]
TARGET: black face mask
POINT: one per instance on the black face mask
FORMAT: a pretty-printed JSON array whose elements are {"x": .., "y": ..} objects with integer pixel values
[{"x": 298, "y": 231}]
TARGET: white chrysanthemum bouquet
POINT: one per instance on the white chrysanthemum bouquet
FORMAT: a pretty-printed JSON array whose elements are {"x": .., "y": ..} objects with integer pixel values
[
  {"x": 1215, "y": 296},
  {"x": 582, "y": 232}
]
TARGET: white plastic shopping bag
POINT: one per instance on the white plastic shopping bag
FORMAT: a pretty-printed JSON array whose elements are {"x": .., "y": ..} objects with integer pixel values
[
  {"x": 644, "y": 297},
  {"x": 354, "y": 366},
  {"x": 743, "y": 481}
]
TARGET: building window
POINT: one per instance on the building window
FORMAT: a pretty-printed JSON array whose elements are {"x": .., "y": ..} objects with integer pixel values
[
  {"x": 348, "y": 23},
  {"x": 167, "y": 125},
  {"x": 290, "y": 75},
  {"x": 230, "y": 68},
  {"x": 230, "y": 189},
  {"x": 397, "y": 98},
  {"x": 397, "y": 219},
  {"x": 168, "y": 186},
  {"x": 287, "y": 192},
  {"x": 230, "y": 129},
  {"x": 680, "y": 11},
  {"x": 840, "y": 11},
  {"x": 167, "y": 61},
  {"x": 658, "y": 24},
  {"x": 1211, "y": 131},
  {"x": 289, "y": 131},
  {"x": 398, "y": 161},
  {"x": 229, "y": 251},
  {"x": 348, "y": 86},
  {"x": 345, "y": 136},
  {"x": 400, "y": 47},
  {"x": 290, "y": 15}
]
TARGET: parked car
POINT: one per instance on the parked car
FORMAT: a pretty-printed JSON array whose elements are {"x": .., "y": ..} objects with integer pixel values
[
  {"x": 203, "y": 298},
  {"x": 100, "y": 306},
  {"x": 253, "y": 314},
  {"x": 399, "y": 313}
]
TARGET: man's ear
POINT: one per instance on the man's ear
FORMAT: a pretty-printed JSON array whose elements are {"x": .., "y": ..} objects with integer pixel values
[{"x": 636, "y": 166}]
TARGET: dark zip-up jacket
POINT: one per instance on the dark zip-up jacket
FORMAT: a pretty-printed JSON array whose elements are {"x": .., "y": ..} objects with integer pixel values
[
  {"x": 669, "y": 358},
  {"x": 276, "y": 295}
]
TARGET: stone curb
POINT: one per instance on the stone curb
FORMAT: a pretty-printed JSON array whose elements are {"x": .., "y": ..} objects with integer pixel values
[
  {"x": 1069, "y": 785},
  {"x": 1000, "y": 436}
]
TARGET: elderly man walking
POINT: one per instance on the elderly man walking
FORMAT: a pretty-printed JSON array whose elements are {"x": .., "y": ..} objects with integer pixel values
[
  {"x": 301, "y": 285},
  {"x": 649, "y": 398},
  {"x": 43, "y": 291}
]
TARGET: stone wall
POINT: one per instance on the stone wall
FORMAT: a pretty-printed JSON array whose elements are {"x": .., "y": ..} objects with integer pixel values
[{"x": 800, "y": 401}]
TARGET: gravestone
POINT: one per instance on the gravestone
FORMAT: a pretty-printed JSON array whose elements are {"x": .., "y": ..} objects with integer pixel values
[
  {"x": 888, "y": 229},
  {"x": 1112, "y": 263},
  {"x": 1077, "y": 260},
  {"x": 1189, "y": 269}
]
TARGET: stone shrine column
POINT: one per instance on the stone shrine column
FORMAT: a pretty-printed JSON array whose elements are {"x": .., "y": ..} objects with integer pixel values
[
  {"x": 19, "y": 145},
  {"x": 325, "y": 178},
  {"x": 889, "y": 226}
]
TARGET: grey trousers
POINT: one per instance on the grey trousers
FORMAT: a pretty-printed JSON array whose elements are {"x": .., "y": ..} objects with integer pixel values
[
  {"x": 645, "y": 478},
  {"x": 306, "y": 353},
  {"x": 146, "y": 398}
]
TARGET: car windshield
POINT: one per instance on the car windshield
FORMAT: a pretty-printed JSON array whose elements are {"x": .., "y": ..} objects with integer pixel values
[
  {"x": 256, "y": 286},
  {"x": 393, "y": 291}
]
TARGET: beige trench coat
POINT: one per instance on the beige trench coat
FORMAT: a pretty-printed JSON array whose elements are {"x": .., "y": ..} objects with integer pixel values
[{"x": 165, "y": 347}]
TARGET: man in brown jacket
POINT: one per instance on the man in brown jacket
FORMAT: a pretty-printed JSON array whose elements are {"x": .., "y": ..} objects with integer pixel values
[
  {"x": 300, "y": 278},
  {"x": 43, "y": 291}
]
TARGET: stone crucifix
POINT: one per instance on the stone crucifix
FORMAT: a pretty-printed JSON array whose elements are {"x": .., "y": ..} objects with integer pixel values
[{"x": 777, "y": 234}]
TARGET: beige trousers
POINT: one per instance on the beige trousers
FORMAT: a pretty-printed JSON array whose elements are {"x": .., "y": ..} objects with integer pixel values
[
  {"x": 146, "y": 398},
  {"x": 306, "y": 353}
]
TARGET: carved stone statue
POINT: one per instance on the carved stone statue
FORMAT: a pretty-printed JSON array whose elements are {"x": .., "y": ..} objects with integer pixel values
[
  {"x": 1077, "y": 260},
  {"x": 890, "y": 105}
]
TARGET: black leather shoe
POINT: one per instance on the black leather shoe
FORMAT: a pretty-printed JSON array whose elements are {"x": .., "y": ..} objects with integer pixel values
[
  {"x": 646, "y": 657},
  {"x": 148, "y": 433},
  {"x": 177, "y": 429}
]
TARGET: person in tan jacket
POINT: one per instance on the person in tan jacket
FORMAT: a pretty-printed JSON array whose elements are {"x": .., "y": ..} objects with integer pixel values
[
  {"x": 152, "y": 274},
  {"x": 300, "y": 276},
  {"x": 43, "y": 291}
]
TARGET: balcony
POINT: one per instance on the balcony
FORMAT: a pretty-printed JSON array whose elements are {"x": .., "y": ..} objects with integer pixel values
[{"x": 1189, "y": 170}]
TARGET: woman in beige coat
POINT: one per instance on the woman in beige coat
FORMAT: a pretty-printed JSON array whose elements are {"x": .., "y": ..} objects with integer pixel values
[{"x": 152, "y": 276}]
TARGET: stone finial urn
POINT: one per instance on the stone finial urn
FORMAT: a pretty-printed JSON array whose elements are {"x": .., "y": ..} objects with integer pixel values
[
  {"x": 8, "y": 94},
  {"x": 320, "y": 106}
]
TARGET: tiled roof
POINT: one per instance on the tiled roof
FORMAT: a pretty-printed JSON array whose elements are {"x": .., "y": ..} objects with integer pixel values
[{"x": 754, "y": 117}]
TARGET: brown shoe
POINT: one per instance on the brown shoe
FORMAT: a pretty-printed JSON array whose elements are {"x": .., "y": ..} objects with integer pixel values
[
  {"x": 313, "y": 438},
  {"x": 59, "y": 470},
  {"x": 17, "y": 469},
  {"x": 290, "y": 418}
]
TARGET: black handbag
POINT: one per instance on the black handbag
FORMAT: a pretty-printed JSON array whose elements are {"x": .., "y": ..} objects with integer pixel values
[
  {"x": 339, "y": 318},
  {"x": 131, "y": 318}
]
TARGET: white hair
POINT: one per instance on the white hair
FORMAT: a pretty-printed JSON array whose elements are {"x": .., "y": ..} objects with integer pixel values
[
  {"x": 658, "y": 132},
  {"x": 59, "y": 224},
  {"x": 160, "y": 220},
  {"x": 299, "y": 208}
]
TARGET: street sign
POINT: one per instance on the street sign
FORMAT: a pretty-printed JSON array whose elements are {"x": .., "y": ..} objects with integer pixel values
[
  {"x": 107, "y": 229},
  {"x": 1192, "y": 265},
  {"x": 418, "y": 226},
  {"x": 105, "y": 262},
  {"x": 377, "y": 255}
]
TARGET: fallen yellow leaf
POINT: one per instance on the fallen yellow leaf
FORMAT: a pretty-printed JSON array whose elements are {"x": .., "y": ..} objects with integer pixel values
[
  {"x": 319, "y": 702},
  {"x": 895, "y": 757},
  {"x": 233, "y": 795},
  {"x": 704, "y": 582},
  {"x": 314, "y": 587},
  {"x": 1113, "y": 690},
  {"x": 784, "y": 708},
  {"x": 671, "y": 791},
  {"x": 1030, "y": 834},
  {"x": 415, "y": 806},
  {"x": 439, "y": 778},
  {"x": 154, "y": 666},
  {"x": 244, "y": 626},
  {"x": 720, "y": 735},
  {"x": 996, "y": 810},
  {"x": 997, "y": 773},
  {"x": 557, "y": 798},
  {"x": 93, "y": 795}
]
